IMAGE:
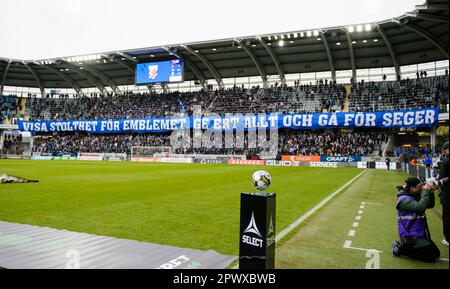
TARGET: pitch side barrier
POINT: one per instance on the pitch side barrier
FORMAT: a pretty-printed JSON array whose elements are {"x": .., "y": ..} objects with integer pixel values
[
  {"x": 82, "y": 157},
  {"x": 417, "y": 171}
]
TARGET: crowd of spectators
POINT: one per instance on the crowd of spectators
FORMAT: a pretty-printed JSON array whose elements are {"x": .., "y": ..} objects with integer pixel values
[
  {"x": 115, "y": 106},
  {"x": 297, "y": 99},
  {"x": 8, "y": 106},
  {"x": 399, "y": 95},
  {"x": 332, "y": 142},
  {"x": 323, "y": 96}
]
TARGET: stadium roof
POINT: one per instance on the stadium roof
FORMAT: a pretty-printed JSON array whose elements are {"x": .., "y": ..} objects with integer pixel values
[{"x": 416, "y": 37}]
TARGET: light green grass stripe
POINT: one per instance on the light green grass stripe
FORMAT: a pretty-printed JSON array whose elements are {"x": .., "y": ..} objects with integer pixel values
[{"x": 292, "y": 226}]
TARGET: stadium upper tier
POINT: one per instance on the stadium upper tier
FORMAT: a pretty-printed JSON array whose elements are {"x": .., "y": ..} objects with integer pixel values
[
  {"x": 372, "y": 96},
  {"x": 416, "y": 37}
]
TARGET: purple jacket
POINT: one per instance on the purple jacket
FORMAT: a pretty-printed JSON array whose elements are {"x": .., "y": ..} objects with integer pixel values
[{"x": 410, "y": 224}]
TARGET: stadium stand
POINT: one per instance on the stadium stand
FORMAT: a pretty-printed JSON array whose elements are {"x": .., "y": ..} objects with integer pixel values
[{"x": 373, "y": 96}]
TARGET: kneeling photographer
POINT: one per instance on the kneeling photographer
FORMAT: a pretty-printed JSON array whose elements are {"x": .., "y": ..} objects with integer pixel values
[{"x": 415, "y": 239}]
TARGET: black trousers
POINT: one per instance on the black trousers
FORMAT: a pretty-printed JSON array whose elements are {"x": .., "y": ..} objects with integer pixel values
[{"x": 445, "y": 220}]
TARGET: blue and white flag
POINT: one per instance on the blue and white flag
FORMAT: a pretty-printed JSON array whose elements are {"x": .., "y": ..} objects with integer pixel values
[{"x": 181, "y": 107}]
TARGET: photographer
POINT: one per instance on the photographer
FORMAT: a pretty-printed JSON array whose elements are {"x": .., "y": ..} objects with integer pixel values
[
  {"x": 443, "y": 195},
  {"x": 415, "y": 239}
]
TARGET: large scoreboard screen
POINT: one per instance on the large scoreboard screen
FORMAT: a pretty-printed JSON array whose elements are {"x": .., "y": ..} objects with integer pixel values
[{"x": 160, "y": 72}]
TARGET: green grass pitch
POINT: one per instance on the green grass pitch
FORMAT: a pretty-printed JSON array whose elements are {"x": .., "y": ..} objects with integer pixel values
[
  {"x": 193, "y": 206},
  {"x": 197, "y": 206}
]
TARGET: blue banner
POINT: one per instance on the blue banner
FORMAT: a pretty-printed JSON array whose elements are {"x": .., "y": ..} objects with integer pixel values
[
  {"x": 425, "y": 117},
  {"x": 340, "y": 159}
]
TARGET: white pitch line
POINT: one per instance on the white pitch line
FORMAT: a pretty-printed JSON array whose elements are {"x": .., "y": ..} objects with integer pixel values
[
  {"x": 361, "y": 249},
  {"x": 347, "y": 244},
  {"x": 360, "y": 212},
  {"x": 363, "y": 203},
  {"x": 443, "y": 259},
  {"x": 362, "y": 207},
  {"x": 372, "y": 203},
  {"x": 355, "y": 224},
  {"x": 351, "y": 233},
  {"x": 358, "y": 218},
  {"x": 313, "y": 210}
]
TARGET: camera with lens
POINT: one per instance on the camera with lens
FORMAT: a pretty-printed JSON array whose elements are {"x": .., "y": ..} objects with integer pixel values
[{"x": 435, "y": 182}]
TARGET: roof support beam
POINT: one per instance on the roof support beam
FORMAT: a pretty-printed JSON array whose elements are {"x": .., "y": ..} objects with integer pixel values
[
  {"x": 92, "y": 80},
  {"x": 391, "y": 51},
  {"x": 256, "y": 61},
  {"x": 432, "y": 7},
  {"x": 352, "y": 54},
  {"x": 127, "y": 56},
  {"x": 67, "y": 78},
  {"x": 123, "y": 64},
  {"x": 38, "y": 80},
  {"x": 196, "y": 71},
  {"x": 207, "y": 63},
  {"x": 275, "y": 60},
  {"x": 103, "y": 77},
  {"x": 330, "y": 57},
  {"x": 427, "y": 16},
  {"x": 198, "y": 74},
  {"x": 5, "y": 73},
  {"x": 430, "y": 37}
]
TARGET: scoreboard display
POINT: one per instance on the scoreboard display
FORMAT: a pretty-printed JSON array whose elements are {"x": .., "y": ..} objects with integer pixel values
[{"x": 160, "y": 72}]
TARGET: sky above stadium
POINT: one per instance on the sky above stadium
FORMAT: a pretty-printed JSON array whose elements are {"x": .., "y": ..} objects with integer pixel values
[{"x": 35, "y": 30}]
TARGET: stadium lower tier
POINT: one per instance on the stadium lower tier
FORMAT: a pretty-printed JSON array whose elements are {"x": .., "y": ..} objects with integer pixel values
[{"x": 331, "y": 142}]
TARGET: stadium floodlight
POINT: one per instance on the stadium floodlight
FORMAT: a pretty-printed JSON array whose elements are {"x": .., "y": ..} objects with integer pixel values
[
  {"x": 289, "y": 36},
  {"x": 375, "y": 40},
  {"x": 364, "y": 41},
  {"x": 214, "y": 49},
  {"x": 276, "y": 37},
  {"x": 281, "y": 43},
  {"x": 253, "y": 45},
  {"x": 316, "y": 33},
  {"x": 319, "y": 39},
  {"x": 239, "y": 47},
  {"x": 151, "y": 55},
  {"x": 67, "y": 69},
  {"x": 353, "y": 42},
  {"x": 359, "y": 28},
  {"x": 309, "y": 33},
  {"x": 338, "y": 44},
  {"x": 295, "y": 35},
  {"x": 61, "y": 69},
  {"x": 292, "y": 41},
  {"x": 282, "y": 36},
  {"x": 351, "y": 29},
  {"x": 302, "y": 34},
  {"x": 368, "y": 27}
]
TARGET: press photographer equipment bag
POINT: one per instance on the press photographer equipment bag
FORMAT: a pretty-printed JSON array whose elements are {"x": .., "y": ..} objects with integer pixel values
[{"x": 423, "y": 249}]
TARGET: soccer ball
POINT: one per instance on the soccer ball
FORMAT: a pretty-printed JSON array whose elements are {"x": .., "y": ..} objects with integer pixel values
[{"x": 261, "y": 180}]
